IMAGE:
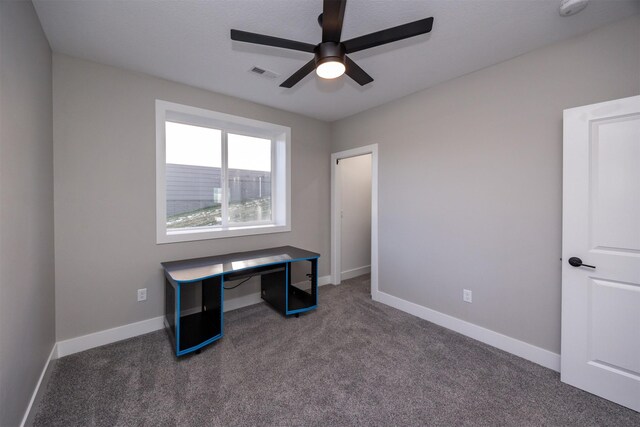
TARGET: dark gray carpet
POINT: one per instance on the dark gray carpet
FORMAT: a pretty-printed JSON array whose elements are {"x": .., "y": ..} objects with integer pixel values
[{"x": 351, "y": 362}]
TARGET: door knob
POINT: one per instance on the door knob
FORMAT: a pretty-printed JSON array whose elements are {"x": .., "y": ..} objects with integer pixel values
[{"x": 577, "y": 262}]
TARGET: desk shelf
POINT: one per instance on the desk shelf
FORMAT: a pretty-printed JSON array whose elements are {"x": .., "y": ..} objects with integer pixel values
[
  {"x": 199, "y": 327},
  {"x": 300, "y": 299}
]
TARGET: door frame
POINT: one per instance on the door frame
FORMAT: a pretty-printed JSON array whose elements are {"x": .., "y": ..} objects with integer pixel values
[{"x": 336, "y": 233}]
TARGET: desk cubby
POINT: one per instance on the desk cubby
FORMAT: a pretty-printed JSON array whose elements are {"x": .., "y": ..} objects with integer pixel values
[
  {"x": 193, "y": 313},
  {"x": 291, "y": 298}
]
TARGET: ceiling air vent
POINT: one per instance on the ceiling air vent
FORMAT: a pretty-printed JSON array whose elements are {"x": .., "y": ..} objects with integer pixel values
[{"x": 264, "y": 73}]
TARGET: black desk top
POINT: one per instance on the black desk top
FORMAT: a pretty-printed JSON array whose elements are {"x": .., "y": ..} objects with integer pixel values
[{"x": 191, "y": 270}]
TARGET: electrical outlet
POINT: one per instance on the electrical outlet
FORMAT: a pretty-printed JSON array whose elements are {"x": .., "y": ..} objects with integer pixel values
[
  {"x": 466, "y": 295},
  {"x": 142, "y": 294}
]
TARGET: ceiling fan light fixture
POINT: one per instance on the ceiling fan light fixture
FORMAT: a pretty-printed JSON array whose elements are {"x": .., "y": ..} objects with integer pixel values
[
  {"x": 330, "y": 69},
  {"x": 330, "y": 60}
]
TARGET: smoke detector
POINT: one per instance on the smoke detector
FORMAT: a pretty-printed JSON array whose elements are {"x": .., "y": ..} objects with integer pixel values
[{"x": 571, "y": 7}]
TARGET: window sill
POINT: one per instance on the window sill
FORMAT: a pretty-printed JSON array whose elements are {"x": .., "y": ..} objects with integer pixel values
[{"x": 176, "y": 236}]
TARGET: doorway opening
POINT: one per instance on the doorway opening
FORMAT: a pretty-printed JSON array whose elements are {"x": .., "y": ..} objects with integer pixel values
[{"x": 345, "y": 265}]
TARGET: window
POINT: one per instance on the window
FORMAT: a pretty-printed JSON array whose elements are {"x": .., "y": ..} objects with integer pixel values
[{"x": 219, "y": 175}]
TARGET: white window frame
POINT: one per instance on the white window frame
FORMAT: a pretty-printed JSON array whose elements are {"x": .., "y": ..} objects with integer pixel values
[{"x": 280, "y": 137}]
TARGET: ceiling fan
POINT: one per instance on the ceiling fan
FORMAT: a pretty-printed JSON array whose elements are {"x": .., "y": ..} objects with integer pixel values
[{"x": 331, "y": 60}]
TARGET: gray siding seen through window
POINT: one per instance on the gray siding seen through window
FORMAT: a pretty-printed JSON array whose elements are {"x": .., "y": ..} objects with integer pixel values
[{"x": 190, "y": 188}]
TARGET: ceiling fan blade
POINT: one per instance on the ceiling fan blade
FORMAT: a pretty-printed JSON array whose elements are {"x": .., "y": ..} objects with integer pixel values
[
  {"x": 332, "y": 17},
  {"x": 356, "y": 73},
  {"x": 244, "y": 36},
  {"x": 300, "y": 74},
  {"x": 389, "y": 35}
]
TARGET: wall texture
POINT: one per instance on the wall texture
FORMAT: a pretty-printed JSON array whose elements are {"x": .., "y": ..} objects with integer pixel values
[
  {"x": 355, "y": 200},
  {"x": 470, "y": 181},
  {"x": 26, "y": 208},
  {"x": 104, "y": 162}
]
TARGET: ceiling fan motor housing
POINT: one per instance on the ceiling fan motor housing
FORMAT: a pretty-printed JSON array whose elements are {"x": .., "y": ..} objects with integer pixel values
[{"x": 329, "y": 51}]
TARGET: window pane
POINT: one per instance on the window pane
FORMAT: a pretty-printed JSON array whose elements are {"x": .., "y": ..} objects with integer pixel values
[
  {"x": 249, "y": 178},
  {"x": 194, "y": 191}
]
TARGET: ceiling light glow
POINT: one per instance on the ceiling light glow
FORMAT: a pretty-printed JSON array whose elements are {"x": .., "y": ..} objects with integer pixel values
[{"x": 330, "y": 69}]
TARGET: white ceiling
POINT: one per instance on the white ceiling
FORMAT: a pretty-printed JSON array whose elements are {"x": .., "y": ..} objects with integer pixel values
[{"x": 188, "y": 41}]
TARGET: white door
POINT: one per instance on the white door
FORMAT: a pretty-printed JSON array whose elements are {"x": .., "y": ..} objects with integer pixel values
[{"x": 601, "y": 229}]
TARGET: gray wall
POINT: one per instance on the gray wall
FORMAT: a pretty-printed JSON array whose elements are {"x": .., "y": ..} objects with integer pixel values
[
  {"x": 485, "y": 152},
  {"x": 104, "y": 158},
  {"x": 26, "y": 208},
  {"x": 355, "y": 203}
]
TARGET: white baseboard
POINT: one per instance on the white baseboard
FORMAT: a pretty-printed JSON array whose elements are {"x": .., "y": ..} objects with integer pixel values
[
  {"x": 522, "y": 349},
  {"x": 39, "y": 384},
  {"x": 243, "y": 301},
  {"x": 355, "y": 272},
  {"x": 97, "y": 339},
  {"x": 324, "y": 280}
]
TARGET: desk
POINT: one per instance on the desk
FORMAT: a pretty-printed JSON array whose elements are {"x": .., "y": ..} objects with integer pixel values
[{"x": 191, "y": 328}]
